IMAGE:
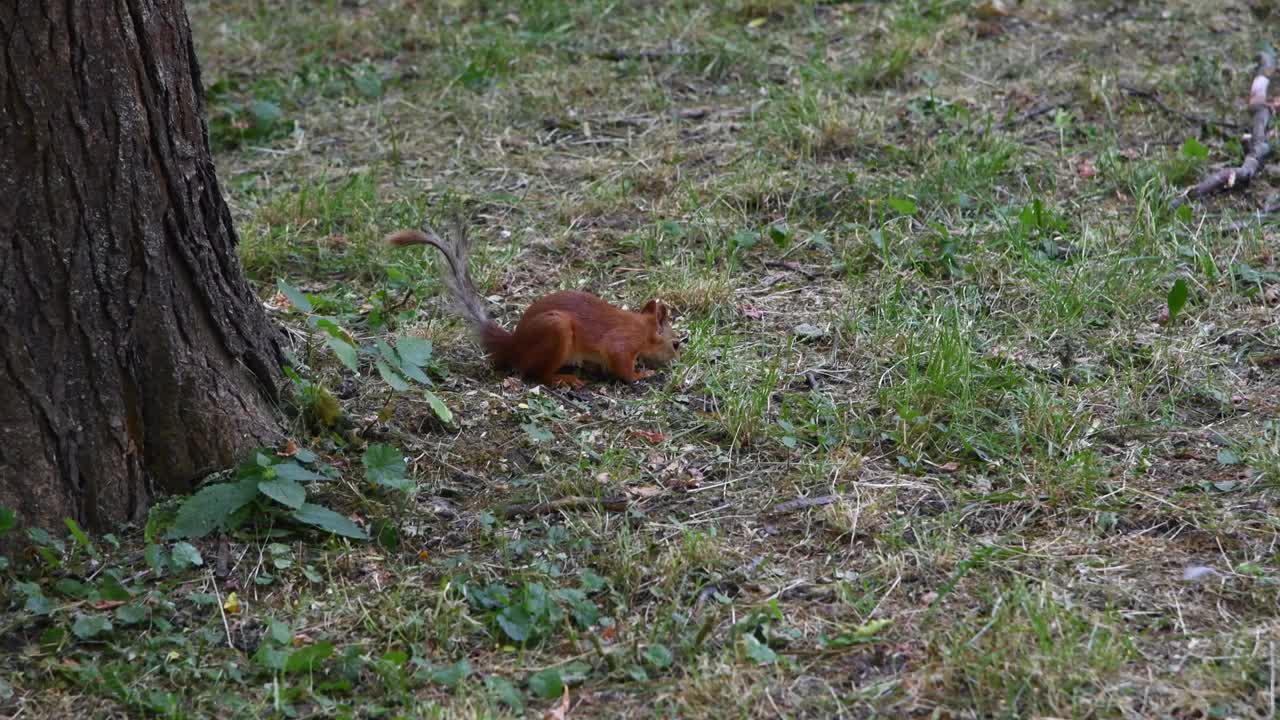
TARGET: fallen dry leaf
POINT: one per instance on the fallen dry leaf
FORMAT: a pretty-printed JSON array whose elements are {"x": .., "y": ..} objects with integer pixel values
[
  {"x": 277, "y": 302},
  {"x": 644, "y": 491},
  {"x": 290, "y": 449},
  {"x": 106, "y": 604},
  {"x": 232, "y": 604},
  {"x": 651, "y": 436},
  {"x": 560, "y": 711},
  {"x": 751, "y": 311},
  {"x": 1086, "y": 169}
]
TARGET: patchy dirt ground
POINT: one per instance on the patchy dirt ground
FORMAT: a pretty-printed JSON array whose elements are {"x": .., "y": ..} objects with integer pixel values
[{"x": 945, "y": 441}]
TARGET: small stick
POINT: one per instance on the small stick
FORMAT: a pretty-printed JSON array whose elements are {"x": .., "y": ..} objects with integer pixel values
[
  {"x": 803, "y": 504},
  {"x": 223, "y": 567},
  {"x": 1037, "y": 111},
  {"x": 573, "y": 502},
  {"x": 649, "y": 55},
  {"x": 1231, "y": 178},
  {"x": 1153, "y": 97},
  {"x": 788, "y": 265}
]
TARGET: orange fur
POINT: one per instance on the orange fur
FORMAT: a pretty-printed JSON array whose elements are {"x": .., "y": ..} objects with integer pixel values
[{"x": 558, "y": 330}]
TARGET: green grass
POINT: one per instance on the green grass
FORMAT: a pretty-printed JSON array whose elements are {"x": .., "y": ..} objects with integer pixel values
[{"x": 906, "y": 293}]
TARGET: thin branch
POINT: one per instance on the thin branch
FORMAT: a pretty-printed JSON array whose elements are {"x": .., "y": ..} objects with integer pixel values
[
  {"x": 1153, "y": 97},
  {"x": 1037, "y": 111},
  {"x": 802, "y": 504},
  {"x": 1231, "y": 178},
  {"x": 573, "y": 502},
  {"x": 621, "y": 54}
]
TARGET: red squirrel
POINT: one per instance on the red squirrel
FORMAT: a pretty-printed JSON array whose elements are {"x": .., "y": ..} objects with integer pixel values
[{"x": 560, "y": 329}]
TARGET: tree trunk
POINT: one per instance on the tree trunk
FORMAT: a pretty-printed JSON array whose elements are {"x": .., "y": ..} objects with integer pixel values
[{"x": 135, "y": 356}]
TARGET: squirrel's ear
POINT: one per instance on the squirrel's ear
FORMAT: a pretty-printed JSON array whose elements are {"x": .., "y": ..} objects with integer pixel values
[{"x": 657, "y": 310}]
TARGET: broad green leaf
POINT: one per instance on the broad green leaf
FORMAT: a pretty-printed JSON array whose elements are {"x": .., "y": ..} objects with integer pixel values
[
  {"x": 279, "y": 632},
  {"x": 451, "y": 675},
  {"x": 1226, "y": 456},
  {"x": 745, "y": 239},
  {"x": 8, "y": 519},
  {"x": 284, "y": 491},
  {"x": 265, "y": 114},
  {"x": 90, "y": 626},
  {"x": 326, "y": 519},
  {"x": 505, "y": 692},
  {"x": 387, "y": 351},
  {"x": 368, "y": 83},
  {"x": 547, "y": 684},
  {"x": 414, "y": 350},
  {"x": 72, "y": 588},
  {"x": 575, "y": 672},
  {"x": 290, "y": 470},
  {"x": 306, "y": 659},
  {"x": 659, "y": 656},
  {"x": 131, "y": 614},
  {"x": 438, "y": 407},
  {"x": 270, "y": 656},
  {"x": 154, "y": 555},
  {"x": 516, "y": 623},
  {"x": 1177, "y": 298},
  {"x": 44, "y": 539},
  {"x": 110, "y": 587},
  {"x": 904, "y": 206},
  {"x": 296, "y": 296},
  {"x": 414, "y": 373},
  {"x": 591, "y": 582},
  {"x": 384, "y": 465},
  {"x": 390, "y": 377},
  {"x": 185, "y": 555},
  {"x": 210, "y": 507},
  {"x": 36, "y": 601},
  {"x": 346, "y": 353},
  {"x": 758, "y": 651},
  {"x": 333, "y": 330}
]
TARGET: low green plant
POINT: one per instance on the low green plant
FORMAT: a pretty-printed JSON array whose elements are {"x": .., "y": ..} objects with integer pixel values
[{"x": 271, "y": 486}]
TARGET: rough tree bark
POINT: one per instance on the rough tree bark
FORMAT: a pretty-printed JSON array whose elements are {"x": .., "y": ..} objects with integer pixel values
[{"x": 134, "y": 357}]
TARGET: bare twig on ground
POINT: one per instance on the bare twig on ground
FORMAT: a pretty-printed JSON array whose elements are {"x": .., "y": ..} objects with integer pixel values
[
  {"x": 787, "y": 265},
  {"x": 803, "y": 504},
  {"x": 1259, "y": 148},
  {"x": 573, "y": 502},
  {"x": 1037, "y": 111},
  {"x": 1153, "y": 97},
  {"x": 223, "y": 567},
  {"x": 620, "y": 54}
]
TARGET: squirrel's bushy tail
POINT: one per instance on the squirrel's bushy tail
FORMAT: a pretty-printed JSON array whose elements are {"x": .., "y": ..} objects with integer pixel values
[{"x": 463, "y": 296}]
